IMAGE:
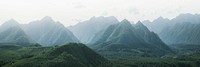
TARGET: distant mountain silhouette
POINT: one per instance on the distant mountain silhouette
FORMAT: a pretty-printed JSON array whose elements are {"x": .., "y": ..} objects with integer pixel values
[
  {"x": 86, "y": 30},
  {"x": 8, "y": 24},
  {"x": 160, "y": 23},
  {"x": 48, "y": 32},
  {"x": 181, "y": 33},
  {"x": 12, "y": 33},
  {"x": 157, "y": 25}
]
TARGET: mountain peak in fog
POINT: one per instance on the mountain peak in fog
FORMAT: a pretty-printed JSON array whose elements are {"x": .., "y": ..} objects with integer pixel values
[
  {"x": 47, "y": 19},
  {"x": 140, "y": 23},
  {"x": 11, "y": 22},
  {"x": 125, "y": 20},
  {"x": 8, "y": 24}
]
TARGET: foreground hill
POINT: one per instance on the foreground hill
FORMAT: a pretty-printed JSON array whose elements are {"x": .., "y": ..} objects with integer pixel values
[
  {"x": 132, "y": 39},
  {"x": 72, "y": 55}
]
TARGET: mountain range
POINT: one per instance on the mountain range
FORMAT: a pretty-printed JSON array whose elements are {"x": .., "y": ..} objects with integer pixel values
[
  {"x": 47, "y": 43},
  {"x": 160, "y": 23},
  {"x": 125, "y": 37},
  {"x": 46, "y": 32},
  {"x": 183, "y": 29}
]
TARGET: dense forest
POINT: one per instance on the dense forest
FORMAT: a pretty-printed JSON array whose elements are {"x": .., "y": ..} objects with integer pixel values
[{"x": 78, "y": 55}]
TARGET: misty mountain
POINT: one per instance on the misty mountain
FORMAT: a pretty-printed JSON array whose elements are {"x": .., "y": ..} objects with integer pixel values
[
  {"x": 181, "y": 33},
  {"x": 48, "y": 32},
  {"x": 157, "y": 25},
  {"x": 12, "y": 33},
  {"x": 124, "y": 37},
  {"x": 187, "y": 17},
  {"x": 86, "y": 30},
  {"x": 8, "y": 24},
  {"x": 121, "y": 43},
  {"x": 160, "y": 23},
  {"x": 71, "y": 54}
]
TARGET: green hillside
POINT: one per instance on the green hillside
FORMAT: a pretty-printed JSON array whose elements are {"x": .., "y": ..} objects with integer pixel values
[{"x": 71, "y": 54}]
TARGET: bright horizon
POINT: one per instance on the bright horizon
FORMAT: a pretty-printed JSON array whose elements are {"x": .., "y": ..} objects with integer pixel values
[{"x": 70, "y": 12}]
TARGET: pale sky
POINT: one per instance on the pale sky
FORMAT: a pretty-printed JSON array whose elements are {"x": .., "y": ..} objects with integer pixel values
[{"x": 70, "y": 12}]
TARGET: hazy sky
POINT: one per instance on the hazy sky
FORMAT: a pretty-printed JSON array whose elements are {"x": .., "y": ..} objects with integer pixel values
[{"x": 70, "y": 12}]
